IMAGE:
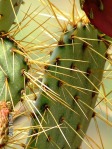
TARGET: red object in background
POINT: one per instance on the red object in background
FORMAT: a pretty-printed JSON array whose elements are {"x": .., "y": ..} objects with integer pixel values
[{"x": 100, "y": 14}]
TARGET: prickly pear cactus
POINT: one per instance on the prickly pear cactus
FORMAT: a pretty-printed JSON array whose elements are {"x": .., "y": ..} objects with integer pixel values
[
  {"x": 12, "y": 65},
  {"x": 100, "y": 14},
  {"x": 8, "y": 11},
  {"x": 69, "y": 89}
]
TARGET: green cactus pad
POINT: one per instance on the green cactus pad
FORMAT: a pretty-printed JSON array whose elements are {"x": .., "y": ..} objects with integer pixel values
[
  {"x": 74, "y": 75},
  {"x": 11, "y": 66},
  {"x": 8, "y": 12}
]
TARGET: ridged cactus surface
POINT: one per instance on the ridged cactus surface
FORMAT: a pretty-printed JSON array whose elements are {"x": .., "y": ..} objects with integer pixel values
[
  {"x": 12, "y": 63},
  {"x": 8, "y": 12},
  {"x": 69, "y": 89}
]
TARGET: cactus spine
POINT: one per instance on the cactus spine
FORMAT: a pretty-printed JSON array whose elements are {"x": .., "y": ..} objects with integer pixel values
[
  {"x": 11, "y": 66},
  {"x": 70, "y": 89}
]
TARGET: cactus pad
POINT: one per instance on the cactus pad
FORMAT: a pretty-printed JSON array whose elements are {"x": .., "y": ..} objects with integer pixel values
[
  {"x": 12, "y": 64},
  {"x": 69, "y": 89},
  {"x": 8, "y": 11}
]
